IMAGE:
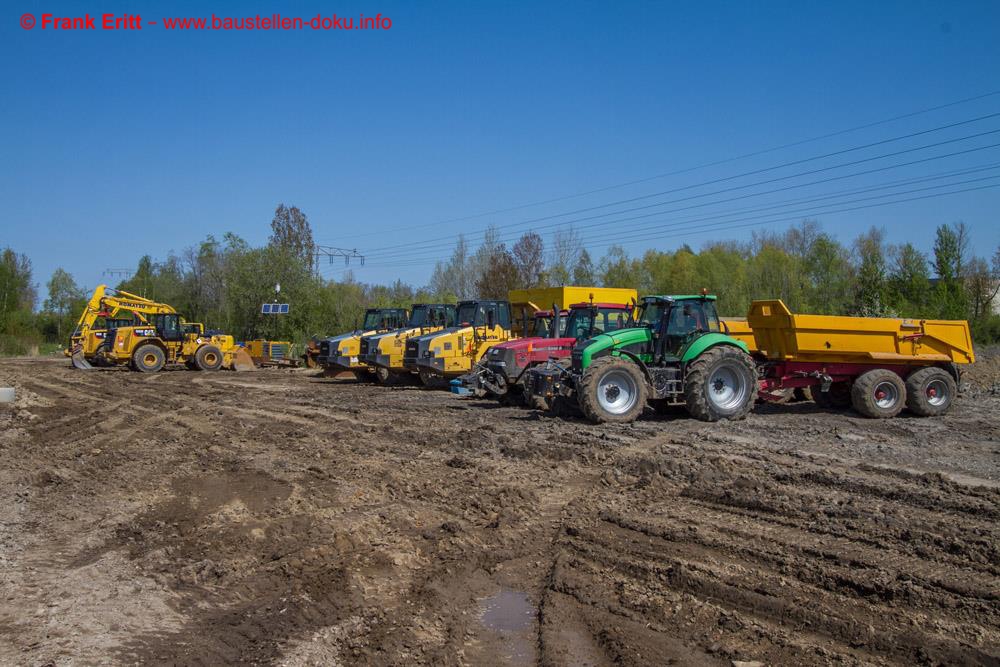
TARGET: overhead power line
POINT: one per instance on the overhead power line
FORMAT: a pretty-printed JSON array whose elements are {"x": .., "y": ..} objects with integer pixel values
[
  {"x": 724, "y": 179},
  {"x": 423, "y": 247},
  {"x": 727, "y": 227},
  {"x": 685, "y": 170}
]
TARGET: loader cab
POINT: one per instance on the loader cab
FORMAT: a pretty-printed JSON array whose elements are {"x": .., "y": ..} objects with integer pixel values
[{"x": 169, "y": 327}]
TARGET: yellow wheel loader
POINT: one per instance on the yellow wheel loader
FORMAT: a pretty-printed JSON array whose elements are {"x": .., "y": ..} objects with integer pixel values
[
  {"x": 103, "y": 337},
  {"x": 342, "y": 354},
  {"x": 167, "y": 339},
  {"x": 384, "y": 352}
]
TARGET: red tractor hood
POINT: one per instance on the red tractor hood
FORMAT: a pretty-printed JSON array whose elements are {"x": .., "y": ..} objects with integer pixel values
[{"x": 538, "y": 343}]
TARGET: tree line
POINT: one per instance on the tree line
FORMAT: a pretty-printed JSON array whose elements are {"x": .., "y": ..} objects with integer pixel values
[{"x": 223, "y": 282}]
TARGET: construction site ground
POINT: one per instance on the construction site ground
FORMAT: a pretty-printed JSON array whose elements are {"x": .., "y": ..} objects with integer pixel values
[{"x": 277, "y": 517}]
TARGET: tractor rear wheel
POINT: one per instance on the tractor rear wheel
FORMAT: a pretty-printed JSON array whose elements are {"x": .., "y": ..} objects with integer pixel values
[
  {"x": 208, "y": 358},
  {"x": 930, "y": 392},
  {"x": 878, "y": 394},
  {"x": 612, "y": 390},
  {"x": 148, "y": 358},
  {"x": 721, "y": 383}
]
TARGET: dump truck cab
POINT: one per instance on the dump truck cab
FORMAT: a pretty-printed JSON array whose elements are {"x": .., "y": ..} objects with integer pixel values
[
  {"x": 479, "y": 325},
  {"x": 504, "y": 370},
  {"x": 384, "y": 351},
  {"x": 342, "y": 353},
  {"x": 679, "y": 354}
]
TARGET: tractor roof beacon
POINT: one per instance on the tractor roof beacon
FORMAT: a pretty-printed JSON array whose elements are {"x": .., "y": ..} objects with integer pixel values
[{"x": 678, "y": 354}]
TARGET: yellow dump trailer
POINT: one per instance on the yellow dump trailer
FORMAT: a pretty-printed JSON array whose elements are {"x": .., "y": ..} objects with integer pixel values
[
  {"x": 739, "y": 328},
  {"x": 878, "y": 365}
]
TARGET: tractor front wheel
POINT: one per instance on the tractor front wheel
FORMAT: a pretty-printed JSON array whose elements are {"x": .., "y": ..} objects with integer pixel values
[
  {"x": 721, "y": 384},
  {"x": 612, "y": 390},
  {"x": 148, "y": 359}
]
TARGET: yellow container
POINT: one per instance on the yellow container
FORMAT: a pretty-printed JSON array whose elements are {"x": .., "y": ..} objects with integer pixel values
[
  {"x": 783, "y": 336},
  {"x": 739, "y": 328}
]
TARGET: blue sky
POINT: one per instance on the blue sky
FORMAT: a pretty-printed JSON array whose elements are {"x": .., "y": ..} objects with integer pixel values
[{"x": 119, "y": 144}]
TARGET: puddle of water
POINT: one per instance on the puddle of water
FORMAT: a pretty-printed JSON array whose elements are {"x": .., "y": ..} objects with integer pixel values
[{"x": 512, "y": 616}]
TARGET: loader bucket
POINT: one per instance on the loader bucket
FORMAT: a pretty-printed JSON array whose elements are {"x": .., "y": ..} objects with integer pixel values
[
  {"x": 80, "y": 362},
  {"x": 242, "y": 361}
]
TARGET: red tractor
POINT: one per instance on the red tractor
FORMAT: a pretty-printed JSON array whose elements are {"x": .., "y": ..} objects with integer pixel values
[{"x": 503, "y": 370}]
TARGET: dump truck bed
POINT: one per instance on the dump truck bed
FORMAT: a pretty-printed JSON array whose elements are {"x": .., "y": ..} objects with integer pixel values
[
  {"x": 739, "y": 328},
  {"x": 781, "y": 335}
]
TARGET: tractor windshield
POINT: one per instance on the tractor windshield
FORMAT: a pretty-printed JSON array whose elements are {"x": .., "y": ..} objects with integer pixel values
[
  {"x": 585, "y": 322},
  {"x": 692, "y": 317},
  {"x": 652, "y": 310}
]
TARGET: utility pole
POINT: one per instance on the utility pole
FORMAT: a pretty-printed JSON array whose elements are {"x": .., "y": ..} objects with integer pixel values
[{"x": 330, "y": 252}]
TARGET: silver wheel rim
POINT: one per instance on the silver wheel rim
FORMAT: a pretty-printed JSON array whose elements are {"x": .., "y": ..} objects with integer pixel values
[
  {"x": 727, "y": 387},
  {"x": 617, "y": 392},
  {"x": 937, "y": 393},
  {"x": 886, "y": 395}
]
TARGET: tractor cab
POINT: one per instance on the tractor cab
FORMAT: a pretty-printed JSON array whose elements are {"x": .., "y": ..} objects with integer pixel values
[{"x": 682, "y": 319}]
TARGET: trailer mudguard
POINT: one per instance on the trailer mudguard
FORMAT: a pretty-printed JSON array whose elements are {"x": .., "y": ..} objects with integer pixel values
[{"x": 703, "y": 342}]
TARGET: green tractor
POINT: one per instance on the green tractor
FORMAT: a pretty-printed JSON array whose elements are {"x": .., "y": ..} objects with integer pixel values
[{"x": 678, "y": 355}]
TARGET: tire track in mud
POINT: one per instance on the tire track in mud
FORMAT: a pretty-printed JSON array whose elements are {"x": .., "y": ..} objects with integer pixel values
[{"x": 282, "y": 518}]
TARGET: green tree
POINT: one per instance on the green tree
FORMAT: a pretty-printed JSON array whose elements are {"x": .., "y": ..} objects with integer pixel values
[
  {"x": 290, "y": 230},
  {"x": 529, "y": 259},
  {"x": 584, "y": 272},
  {"x": 909, "y": 283},
  {"x": 870, "y": 292},
  {"x": 64, "y": 303},
  {"x": 949, "y": 294}
]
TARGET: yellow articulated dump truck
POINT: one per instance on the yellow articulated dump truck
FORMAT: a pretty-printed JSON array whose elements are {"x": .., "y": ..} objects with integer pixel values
[
  {"x": 342, "y": 353},
  {"x": 484, "y": 323},
  {"x": 877, "y": 365},
  {"x": 383, "y": 352}
]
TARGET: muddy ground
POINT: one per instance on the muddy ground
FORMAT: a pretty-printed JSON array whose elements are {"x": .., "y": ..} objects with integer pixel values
[{"x": 279, "y": 518}]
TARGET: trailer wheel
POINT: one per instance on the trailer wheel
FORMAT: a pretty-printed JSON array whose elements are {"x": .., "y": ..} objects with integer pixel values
[
  {"x": 148, "y": 359},
  {"x": 930, "y": 392},
  {"x": 878, "y": 394},
  {"x": 208, "y": 358},
  {"x": 612, "y": 390},
  {"x": 721, "y": 384}
]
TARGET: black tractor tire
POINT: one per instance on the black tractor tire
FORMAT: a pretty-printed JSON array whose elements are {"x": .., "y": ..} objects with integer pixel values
[
  {"x": 837, "y": 398},
  {"x": 208, "y": 358},
  {"x": 930, "y": 391},
  {"x": 148, "y": 358},
  {"x": 613, "y": 390},
  {"x": 878, "y": 394},
  {"x": 711, "y": 374},
  {"x": 432, "y": 380},
  {"x": 385, "y": 377}
]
